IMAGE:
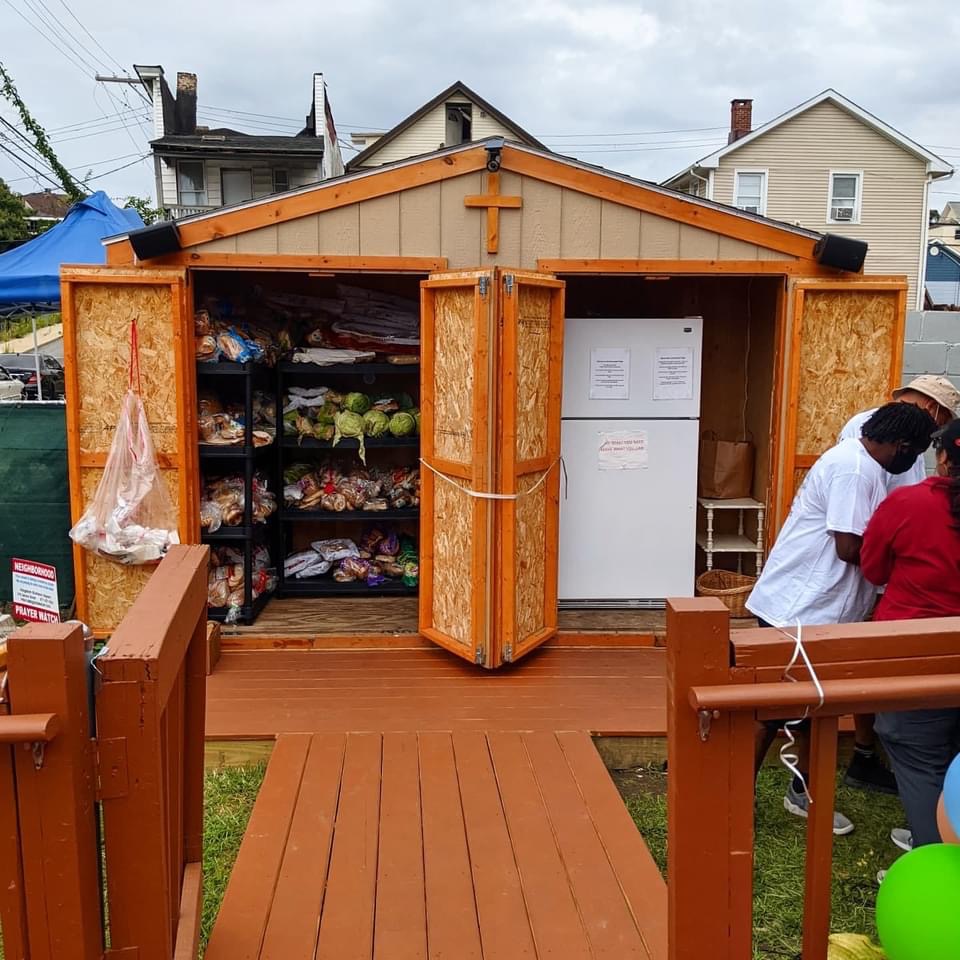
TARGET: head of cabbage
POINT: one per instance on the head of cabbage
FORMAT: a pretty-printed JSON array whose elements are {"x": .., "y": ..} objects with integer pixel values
[
  {"x": 375, "y": 423},
  {"x": 349, "y": 424},
  {"x": 402, "y": 424},
  {"x": 356, "y": 403}
]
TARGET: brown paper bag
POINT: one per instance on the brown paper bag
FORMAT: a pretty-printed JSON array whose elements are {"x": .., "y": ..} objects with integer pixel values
[{"x": 726, "y": 468}]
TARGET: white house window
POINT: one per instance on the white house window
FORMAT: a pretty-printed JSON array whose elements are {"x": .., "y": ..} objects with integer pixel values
[
  {"x": 844, "y": 200},
  {"x": 750, "y": 191},
  {"x": 191, "y": 189},
  {"x": 281, "y": 181}
]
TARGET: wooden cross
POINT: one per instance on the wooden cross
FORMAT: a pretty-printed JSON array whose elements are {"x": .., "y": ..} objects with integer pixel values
[{"x": 493, "y": 202}]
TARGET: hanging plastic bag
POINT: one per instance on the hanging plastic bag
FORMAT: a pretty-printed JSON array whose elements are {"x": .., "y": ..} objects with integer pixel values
[{"x": 131, "y": 519}]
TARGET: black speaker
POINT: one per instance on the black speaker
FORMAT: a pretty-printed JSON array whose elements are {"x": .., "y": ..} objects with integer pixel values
[
  {"x": 156, "y": 240},
  {"x": 842, "y": 253}
]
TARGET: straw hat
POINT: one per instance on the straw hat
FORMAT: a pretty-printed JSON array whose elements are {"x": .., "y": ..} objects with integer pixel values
[{"x": 939, "y": 389}]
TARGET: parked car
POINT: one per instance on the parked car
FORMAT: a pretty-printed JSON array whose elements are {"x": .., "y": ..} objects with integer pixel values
[
  {"x": 10, "y": 387},
  {"x": 23, "y": 366}
]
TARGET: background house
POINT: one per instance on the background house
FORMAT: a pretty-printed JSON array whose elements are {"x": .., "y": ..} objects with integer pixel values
[
  {"x": 830, "y": 166},
  {"x": 46, "y": 208},
  {"x": 198, "y": 168},
  {"x": 945, "y": 227},
  {"x": 943, "y": 277},
  {"x": 455, "y": 116}
]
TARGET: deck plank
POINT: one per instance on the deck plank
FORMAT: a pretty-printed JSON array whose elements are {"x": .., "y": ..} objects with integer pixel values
[
  {"x": 291, "y": 932},
  {"x": 248, "y": 899},
  {"x": 501, "y": 911},
  {"x": 400, "y": 932},
  {"x": 639, "y": 877},
  {"x": 554, "y": 918},
  {"x": 452, "y": 929},
  {"x": 606, "y": 917},
  {"x": 346, "y": 924}
]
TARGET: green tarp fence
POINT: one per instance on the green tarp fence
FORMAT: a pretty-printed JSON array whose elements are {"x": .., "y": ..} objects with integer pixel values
[{"x": 35, "y": 492}]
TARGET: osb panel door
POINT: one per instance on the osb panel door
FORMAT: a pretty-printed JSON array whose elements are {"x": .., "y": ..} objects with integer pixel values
[
  {"x": 457, "y": 420},
  {"x": 845, "y": 356},
  {"x": 99, "y": 305},
  {"x": 530, "y": 381}
]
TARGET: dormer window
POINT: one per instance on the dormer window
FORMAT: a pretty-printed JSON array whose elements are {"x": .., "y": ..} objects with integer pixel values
[{"x": 459, "y": 124}]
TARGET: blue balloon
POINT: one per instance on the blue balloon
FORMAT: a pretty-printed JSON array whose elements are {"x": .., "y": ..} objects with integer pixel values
[{"x": 951, "y": 794}]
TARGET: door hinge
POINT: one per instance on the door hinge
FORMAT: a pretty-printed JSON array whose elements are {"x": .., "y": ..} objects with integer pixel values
[
  {"x": 112, "y": 776},
  {"x": 478, "y": 656},
  {"x": 508, "y": 654},
  {"x": 508, "y": 283},
  {"x": 484, "y": 286}
]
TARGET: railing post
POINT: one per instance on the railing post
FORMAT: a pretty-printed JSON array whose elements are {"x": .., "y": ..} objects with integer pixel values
[
  {"x": 13, "y": 906},
  {"x": 56, "y": 795},
  {"x": 709, "y": 794}
]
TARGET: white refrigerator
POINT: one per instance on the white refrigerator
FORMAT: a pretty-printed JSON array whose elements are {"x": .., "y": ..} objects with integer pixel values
[{"x": 630, "y": 442}]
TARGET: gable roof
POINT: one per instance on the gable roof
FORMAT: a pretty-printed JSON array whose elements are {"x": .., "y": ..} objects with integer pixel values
[
  {"x": 47, "y": 204},
  {"x": 454, "y": 89},
  {"x": 936, "y": 166},
  {"x": 372, "y": 182}
]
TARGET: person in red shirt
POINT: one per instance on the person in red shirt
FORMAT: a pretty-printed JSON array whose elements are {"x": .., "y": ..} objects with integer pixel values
[{"x": 912, "y": 545}]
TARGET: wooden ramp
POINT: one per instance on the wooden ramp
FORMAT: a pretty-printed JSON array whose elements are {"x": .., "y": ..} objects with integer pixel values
[{"x": 440, "y": 846}]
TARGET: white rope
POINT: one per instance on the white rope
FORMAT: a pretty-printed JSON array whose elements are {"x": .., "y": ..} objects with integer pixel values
[
  {"x": 789, "y": 758},
  {"x": 479, "y": 495}
]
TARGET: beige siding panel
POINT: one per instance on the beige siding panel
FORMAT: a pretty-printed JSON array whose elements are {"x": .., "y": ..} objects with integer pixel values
[
  {"x": 461, "y": 228},
  {"x": 380, "y": 226},
  {"x": 420, "y": 221},
  {"x": 300, "y": 236},
  {"x": 262, "y": 181},
  {"x": 763, "y": 253},
  {"x": 697, "y": 244},
  {"x": 223, "y": 245},
  {"x": 731, "y": 249},
  {"x": 540, "y": 224},
  {"x": 168, "y": 181},
  {"x": 301, "y": 176},
  {"x": 424, "y": 136},
  {"x": 511, "y": 185},
  {"x": 262, "y": 240},
  {"x": 340, "y": 231},
  {"x": 487, "y": 126},
  {"x": 799, "y": 155},
  {"x": 659, "y": 238},
  {"x": 579, "y": 225},
  {"x": 619, "y": 231}
]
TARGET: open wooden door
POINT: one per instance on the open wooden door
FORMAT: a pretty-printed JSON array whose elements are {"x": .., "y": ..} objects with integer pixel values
[
  {"x": 531, "y": 375},
  {"x": 98, "y": 307},
  {"x": 492, "y": 357},
  {"x": 457, "y": 401},
  {"x": 846, "y": 353}
]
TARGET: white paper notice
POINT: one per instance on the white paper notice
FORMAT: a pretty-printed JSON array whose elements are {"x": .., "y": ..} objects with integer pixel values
[
  {"x": 623, "y": 450},
  {"x": 673, "y": 374},
  {"x": 609, "y": 374}
]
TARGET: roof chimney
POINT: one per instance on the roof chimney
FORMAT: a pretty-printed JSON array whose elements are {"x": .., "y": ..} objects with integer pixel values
[
  {"x": 186, "y": 110},
  {"x": 741, "y": 119}
]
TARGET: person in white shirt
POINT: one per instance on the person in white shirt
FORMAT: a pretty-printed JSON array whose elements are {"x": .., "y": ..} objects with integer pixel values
[
  {"x": 812, "y": 575},
  {"x": 940, "y": 398}
]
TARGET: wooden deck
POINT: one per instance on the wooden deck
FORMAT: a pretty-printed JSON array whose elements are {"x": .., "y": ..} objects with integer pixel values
[
  {"x": 258, "y": 694},
  {"x": 409, "y": 846}
]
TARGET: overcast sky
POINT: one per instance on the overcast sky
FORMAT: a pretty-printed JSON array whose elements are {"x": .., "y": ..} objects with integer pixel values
[{"x": 641, "y": 87}]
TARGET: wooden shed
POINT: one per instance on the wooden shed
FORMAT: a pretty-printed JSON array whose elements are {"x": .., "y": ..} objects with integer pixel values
[{"x": 500, "y": 242}]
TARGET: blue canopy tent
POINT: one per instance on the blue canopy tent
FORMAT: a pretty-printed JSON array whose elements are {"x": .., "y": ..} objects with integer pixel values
[{"x": 30, "y": 274}]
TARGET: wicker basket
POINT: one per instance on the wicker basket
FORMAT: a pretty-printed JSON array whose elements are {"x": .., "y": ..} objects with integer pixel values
[{"x": 731, "y": 588}]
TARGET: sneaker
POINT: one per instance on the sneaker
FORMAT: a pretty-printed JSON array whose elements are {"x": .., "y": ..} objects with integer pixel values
[
  {"x": 868, "y": 772},
  {"x": 902, "y": 838},
  {"x": 797, "y": 804}
]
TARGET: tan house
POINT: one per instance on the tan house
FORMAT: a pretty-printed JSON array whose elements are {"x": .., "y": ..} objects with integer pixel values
[
  {"x": 456, "y": 115},
  {"x": 830, "y": 166}
]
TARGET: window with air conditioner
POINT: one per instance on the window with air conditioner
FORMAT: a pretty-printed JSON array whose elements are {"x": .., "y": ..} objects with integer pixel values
[
  {"x": 750, "y": 191},
  {"x": 844, "y": 199}
]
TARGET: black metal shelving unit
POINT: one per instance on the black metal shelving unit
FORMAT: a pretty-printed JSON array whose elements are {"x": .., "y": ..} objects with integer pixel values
[
  {"x": 366, "y": 377},
  {"x": 249, "y": 458}
]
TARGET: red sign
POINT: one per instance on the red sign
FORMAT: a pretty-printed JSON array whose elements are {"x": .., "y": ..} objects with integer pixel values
[{"x": 35, "y": 591}]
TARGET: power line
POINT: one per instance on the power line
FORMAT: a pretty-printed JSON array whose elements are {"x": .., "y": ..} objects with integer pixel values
[
  {"x": 640, "y": 133},
  {"x": 89, "y": 165},
  {"x": 90, "y": 35},
  {"x": 63, "y": 32},
  {"x": 64, "y": 53},
  {"x": 9, "y": 150},
  {"x": 99, "y": 176}
]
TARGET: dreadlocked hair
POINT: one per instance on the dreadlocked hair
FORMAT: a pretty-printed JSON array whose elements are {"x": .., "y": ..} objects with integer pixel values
[
  {"x": 899, "y": 422},
  {"x": 952, "y": 452}
]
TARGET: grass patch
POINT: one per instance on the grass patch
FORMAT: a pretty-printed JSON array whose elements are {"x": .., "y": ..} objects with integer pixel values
[
  {"x": 780, "y": 847},
  {"x": 23, "y": 326},
  {"x": 229, "y": 795}
]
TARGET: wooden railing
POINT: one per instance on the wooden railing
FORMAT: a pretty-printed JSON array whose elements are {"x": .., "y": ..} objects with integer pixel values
[
  {"x": 719, "y": 685},
  {"x": 144, "y": 767}
]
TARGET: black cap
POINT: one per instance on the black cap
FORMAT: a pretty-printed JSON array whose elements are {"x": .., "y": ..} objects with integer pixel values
[{"x": 948, "y": 438}]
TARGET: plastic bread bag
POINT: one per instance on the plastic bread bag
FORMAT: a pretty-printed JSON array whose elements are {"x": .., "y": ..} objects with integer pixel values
[{"x": 131, "y": 519}]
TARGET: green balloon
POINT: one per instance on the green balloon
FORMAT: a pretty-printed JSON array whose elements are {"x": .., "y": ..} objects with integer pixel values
[{"x": 918, "y": 905}]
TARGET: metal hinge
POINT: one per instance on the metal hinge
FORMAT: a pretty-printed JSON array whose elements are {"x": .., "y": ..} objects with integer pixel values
[
  {"x": 112, "y": 776},
  {"x": 508, "y": 283},
  {"x": 478, "y": 655},
  {"x": 484, "y": 286},
  {"x": 508, "y": 654}
]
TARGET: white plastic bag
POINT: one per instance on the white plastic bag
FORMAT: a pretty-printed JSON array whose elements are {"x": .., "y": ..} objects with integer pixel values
[{"x": 130, "y": 519}]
